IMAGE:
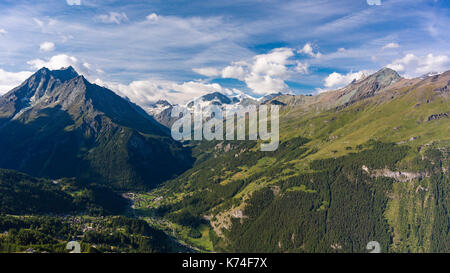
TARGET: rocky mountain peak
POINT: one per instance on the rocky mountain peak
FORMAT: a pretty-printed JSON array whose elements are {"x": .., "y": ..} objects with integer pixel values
[
  {"x": 368, "y": 86},
  {"x": 78, "y": 129}
]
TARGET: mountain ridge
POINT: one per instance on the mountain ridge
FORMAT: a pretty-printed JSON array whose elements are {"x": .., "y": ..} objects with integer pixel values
[
  {"x": 335, "y": 182},
  {"x": 106, "y": 138}
]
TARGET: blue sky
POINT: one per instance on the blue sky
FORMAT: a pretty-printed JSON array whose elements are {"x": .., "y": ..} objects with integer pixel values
[{"x": 147, "y": 50}]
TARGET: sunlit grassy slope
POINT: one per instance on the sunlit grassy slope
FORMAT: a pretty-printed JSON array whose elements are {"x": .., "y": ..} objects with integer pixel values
[{"x": 311, "y": 195}]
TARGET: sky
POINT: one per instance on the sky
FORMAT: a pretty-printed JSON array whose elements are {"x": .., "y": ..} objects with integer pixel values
[{"x": 180, "y": 49}]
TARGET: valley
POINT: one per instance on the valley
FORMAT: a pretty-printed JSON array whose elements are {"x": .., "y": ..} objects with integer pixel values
[
  {"x": 328, "y": 168},
  {"x": 366, "y": 162}
]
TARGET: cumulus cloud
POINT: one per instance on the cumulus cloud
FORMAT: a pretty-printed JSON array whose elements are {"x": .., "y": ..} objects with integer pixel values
[
  {"x": 237, "y": 70},
  {"x": 391, "y": 45},
  {"x": 55, "y": 62},
  {"x": 47, "y": 46},
  {"x": 412, "y": 66},
  {"x": 113, "y": 18},
  {"x": 337, "y": 80},
  {"x": 147, "y": 91},
  {"x": 9, "y": 80},
  {"x": 73, "y": 2},
  {"x": 2, "y": 31},
  {"x": 268, "y": 71},
  {"x": 265, "y": 73},
  {"x": 308, "y": 50},
  {"x": 62, "y": 61},
  {"x": 207, "y": 71},
  {"x": 153, "y": 17}
]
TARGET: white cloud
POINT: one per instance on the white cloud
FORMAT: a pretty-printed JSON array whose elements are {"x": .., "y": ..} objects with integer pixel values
[
  {"x": 148, "y": 91},
  {"x": 113, "y": 17},
  {"x": 2, "y": 31},
  {"x": 55, "y": 62},
  {"x": 268, "y": 71},
  {"x": 412, "y": 66},
  {"x": 265, "y": 74},
  {"x": 63, "y": 61},
  {"x": 207, "y": 71},
  {"x": 47, "y": 46},
  {"x": 238, "y": 70},
  {"x": 73, "y": 2},
  {"x": 9, "y": 80},
  {"x": 177, "y": 43},
  {"x": 153, "y": 17},
  {"x": 264, "y": 84},
  {"x": 391, "y": 45},
  {"x": 336, "y": 80},
  {"x": 308, "y": 50}
]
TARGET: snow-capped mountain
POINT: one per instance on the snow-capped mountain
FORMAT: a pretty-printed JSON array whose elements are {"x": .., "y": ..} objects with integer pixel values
[
  {"x": 161, "y": 110},
  {"x": 158, "y": 107},
  {"x": 430, "y": 74},
  {"x": 215, "y": 98}
]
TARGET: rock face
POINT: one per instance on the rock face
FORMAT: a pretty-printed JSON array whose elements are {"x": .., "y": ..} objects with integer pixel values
[
  {"x": 161, "y": 111},
  {"x": 57, "y": 124},
  {"x": 158, "y": 107},
  {"x": 356, "y": 91},
  {"x": 368, "y": 86},
  {"x": 397, "y": 175}
]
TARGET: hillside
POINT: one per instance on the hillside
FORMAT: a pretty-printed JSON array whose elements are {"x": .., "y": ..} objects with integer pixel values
[
  {"x": 366, "y": 162},
  {"x": 56, "y": 124},
  {"x": 21, "y": 194}
]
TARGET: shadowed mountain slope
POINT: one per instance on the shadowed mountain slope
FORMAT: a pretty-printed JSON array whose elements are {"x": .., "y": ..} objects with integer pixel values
[{"x": 57, "y": 124}]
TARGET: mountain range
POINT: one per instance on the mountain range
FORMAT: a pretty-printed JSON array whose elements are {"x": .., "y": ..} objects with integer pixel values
[
  {"x": 161, "y": 110},
  {"x": 366, "y": 162},
  {"x": 56, "y": 124},
  {"x": 369, "y": 161}
]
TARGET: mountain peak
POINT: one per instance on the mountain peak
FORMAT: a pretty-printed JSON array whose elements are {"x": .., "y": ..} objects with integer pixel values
[
  {"x": 162, "y": 103},
  {"x": 43, "y": 70},
  {"x": 65, "y": 74},
  {"x": 387, "y": 71},
  {"x": 217, "y": 96},
  {"x": 39, "y": 85},
  {"x": 62, "y": 75},
  {"x": 73, "y": 127},
  {"x": 368, "y": 86},
  {"x": 158, "y": 107}
]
